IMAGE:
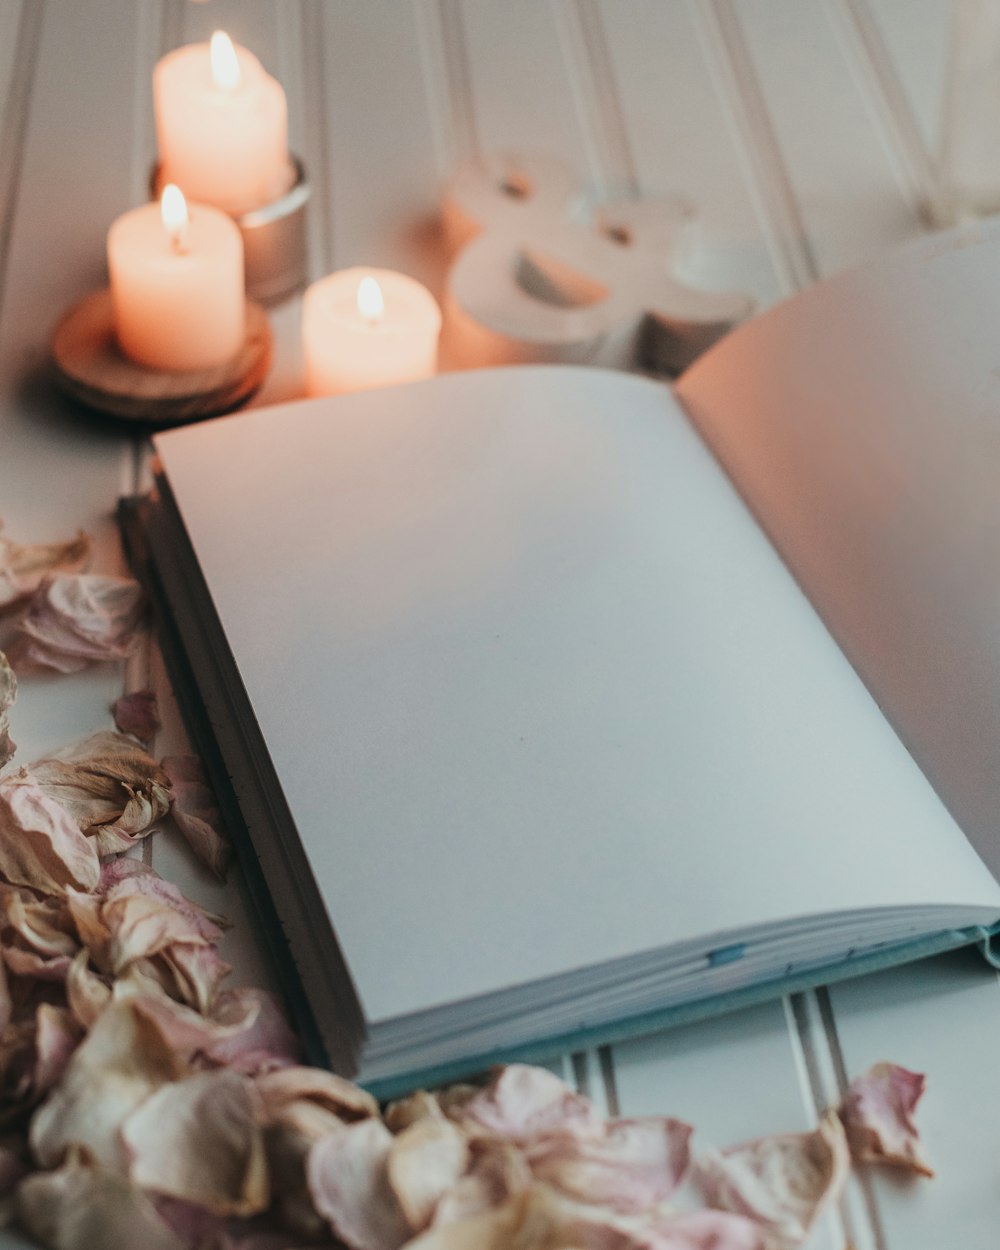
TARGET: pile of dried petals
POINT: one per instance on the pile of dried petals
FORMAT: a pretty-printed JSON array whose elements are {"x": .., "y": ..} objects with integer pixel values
[{"x": 143, "y": 1105}]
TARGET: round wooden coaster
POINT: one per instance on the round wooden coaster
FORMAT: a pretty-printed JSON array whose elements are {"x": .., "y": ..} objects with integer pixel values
[{"x": 92, "y": 369}]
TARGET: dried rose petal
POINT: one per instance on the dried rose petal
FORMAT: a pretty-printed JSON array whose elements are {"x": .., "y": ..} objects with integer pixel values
[
  {"x": 703, "y": 1230},
  {"x": 253, "y": 1034},
  {"x": 82, "y": 1207},
  {"x": 498, "y": 1171},
  {"x": 424, "y": 1162},
  {"x": 635, "y": 1164},
  {"x": 22, "y": 566},
  {"x": 40, "y": 845},
  {"x": 191, "y": 974},
  {"x": 8, "y": 693},
  {"x": 57, "y": 1035},
  {"x": 349, "y": 1183},
  {"x": 537, "y": 1219},
  {"x": 86, "y": 992},
  {"x": 299, "y": 1084},
  {"x": 75, "y": 619},
  {"x": 781, "y": 1182},
  {"x": 137, "y": 714},
  {"x": 877, "y": 1112},
  {"x": 420, "y": 1105},
  {"x": 523, "y": 1102},
  {"x": 119, "y": 1064},
  {"x": 200, "y": 1140},
  {"x": 196, "y": 813},
  {"x": 109, "y": 785}
]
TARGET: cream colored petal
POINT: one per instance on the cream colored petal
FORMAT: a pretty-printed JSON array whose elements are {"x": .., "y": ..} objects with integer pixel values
[
  {"x": 200, "y": 1140},
  {"x": 89, "y": 1208},
  {"x": 781, "y": 1182},
  {"x": 110, "y": 786},
  {"x": 8, "y": 694},
  {"x": 22, "y": 566},
  {"x": 40, "y": 846},
  {"x": 635, "y": 1164},
  {"x": 497, "y": 1172},
  {"x": 86, "y": 992},
  {"x": 349, "y": 1184},
  {"x": 524, "y": 1102},
  {"x": 417, "y": 1106},
  {"x": 119, "y": 1064},
  {"x": 300, "y": 1084},
  {"x": 424, "y": 1162}
]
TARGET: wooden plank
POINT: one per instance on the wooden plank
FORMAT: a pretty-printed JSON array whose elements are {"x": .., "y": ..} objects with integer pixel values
[
  {"x": 522, "y": 93},
  {"x": 939, "y": 1018},
  {"x": 66, "y": 178},
  {"x": 684, "y": 139},
  {"x": 838, "y": 160}
]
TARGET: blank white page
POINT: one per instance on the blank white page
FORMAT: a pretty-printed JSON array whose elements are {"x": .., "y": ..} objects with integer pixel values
[
  {"x": 539, "y": 692},
  {"x": 861, "y": 420}
]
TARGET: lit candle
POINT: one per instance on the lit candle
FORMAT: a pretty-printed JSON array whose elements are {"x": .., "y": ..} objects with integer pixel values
[
  {"x": 364, "y": 328},
  {"x": 177, "y": 284},
  {"x": 221, "y": 126}
]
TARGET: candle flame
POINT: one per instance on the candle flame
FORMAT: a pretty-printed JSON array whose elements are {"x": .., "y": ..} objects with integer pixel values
[
  {"x": 225, "y": 65},
  {"x": 371, "y": 305},
  {"x": 174, "y": 213}
]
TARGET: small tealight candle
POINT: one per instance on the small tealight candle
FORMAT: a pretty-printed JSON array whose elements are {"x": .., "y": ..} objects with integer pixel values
[
  {"x": 177, "y": 284},
  {"x": 363, "y": 328},
  {"x": 221, "y": 126}
]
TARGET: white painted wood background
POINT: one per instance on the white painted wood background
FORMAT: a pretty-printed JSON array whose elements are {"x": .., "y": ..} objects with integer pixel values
[{"x": 805, "y": 131}]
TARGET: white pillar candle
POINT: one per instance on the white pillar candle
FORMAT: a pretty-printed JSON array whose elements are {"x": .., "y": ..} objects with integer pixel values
[
  {"x": 363, "y": 328},
  {"x": 221, "y": 126},
  {"x": 177, "y": 284}
]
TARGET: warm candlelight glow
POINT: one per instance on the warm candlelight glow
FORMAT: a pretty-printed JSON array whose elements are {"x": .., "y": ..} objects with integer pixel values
[
  {"x": 225, "y": 66},
  {"x": 371, "y": 305},
  {"x": 174, "y": 214}
]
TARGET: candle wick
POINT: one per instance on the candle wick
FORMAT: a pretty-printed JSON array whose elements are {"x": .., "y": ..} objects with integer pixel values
[{"x": 179, "y": 241}]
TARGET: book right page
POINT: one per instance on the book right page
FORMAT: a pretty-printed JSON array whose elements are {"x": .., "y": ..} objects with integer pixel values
[{"x": 861, "y": 422}]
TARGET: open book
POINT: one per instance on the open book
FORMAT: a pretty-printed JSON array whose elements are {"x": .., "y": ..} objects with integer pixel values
[{"x": 557, "y": 704}]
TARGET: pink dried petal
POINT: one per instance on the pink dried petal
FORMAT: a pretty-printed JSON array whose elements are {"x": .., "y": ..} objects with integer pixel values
[
  {"x": 196, "y": 813},
  {"x": 253, "y": 1032},
  {"x": 40, "y": 846},
  {"x": 781, "y": 1182},
  {"x": 498, "y": 1171},
  {"x": 534, "y": 1220},
  {"x": 57, "y": 1036},
  {"x": 699, "y": 1230},
  {"x": 109, "y": 785},
  {"x": 142, "y": 925},
  {"x": 25, "y": 963},
  {"x": 420, "y": 1105},
  {"x": 86, "y": 993},
  {"x": 200, "y": 1140},
  {"x": 43, "y": 924},
  {"x": 118, "y": 1065},
  {"x": 424, "y": 1162},
  {"x": 83, "y": 1207},
  {"x": 636, "y": 1164},
  {"x": 878, "y": 1116},
  {"x": 75, "y": 619},
  {"x": 191, "y": 974},
  {"x": 22, "y": 566},
  {"x": 349, "y": 1184},
  {"x": 8, "y": 694},
  {"x": 85, "y": 911},
  {"x": 137, "y": 714},
  {"x": 299, "y": 1084},
  {"x": 524, "y": 1102}
]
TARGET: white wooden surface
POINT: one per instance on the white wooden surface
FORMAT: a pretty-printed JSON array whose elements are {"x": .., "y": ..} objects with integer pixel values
[{"x": 805, "y": 131}]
